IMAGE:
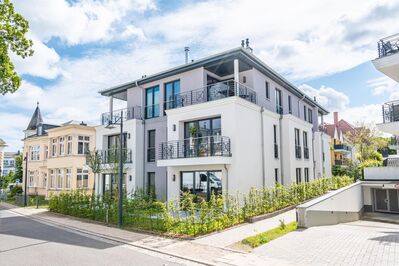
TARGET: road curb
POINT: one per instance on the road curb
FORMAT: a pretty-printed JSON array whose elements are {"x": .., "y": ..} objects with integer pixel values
[{"x": 115, "y": 239}]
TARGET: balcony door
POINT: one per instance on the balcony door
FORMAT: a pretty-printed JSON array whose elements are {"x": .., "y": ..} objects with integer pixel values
[
  {"x": 152, "y": 102},
  {"x": 201, "y": 183},
  {"x": 172, "y": 95}
]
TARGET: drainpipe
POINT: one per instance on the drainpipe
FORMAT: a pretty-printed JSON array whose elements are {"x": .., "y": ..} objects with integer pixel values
[
  {"x": 322, "y": 144},
  {"x": 262, "y": 146},
  {"x": 281, "y": 147},
  {"x": 227, "y": 179},
  {"x": 143, "y": 123}
]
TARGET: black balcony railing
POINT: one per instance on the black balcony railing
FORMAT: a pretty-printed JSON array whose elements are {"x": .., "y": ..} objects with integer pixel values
[
  {"x": 275, "y": 150},
  {"x": 388, "y": 46},
  {"x": 195, "y": 147},
  {"x": 209, "y": 93},
  {"x": 390, "y": 112},
  {"x": 128, "y": 113},
  {"x": 306, "y": 152},
  {"x": 342, "y": 147},
  {"x": 298, "y": 152},
  {"x": 111, "y": 156},
  {"x": 392, "y": 162}
]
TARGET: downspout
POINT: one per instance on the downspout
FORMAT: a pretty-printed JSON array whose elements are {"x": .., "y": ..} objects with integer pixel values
[
  {"x": 227, "y": 179},
  {"x": 143, "y": 123},
  {"x": 262, "y": 147},
  {"x": 281, "y": 147},
  {"x": 322, "y": 145}
]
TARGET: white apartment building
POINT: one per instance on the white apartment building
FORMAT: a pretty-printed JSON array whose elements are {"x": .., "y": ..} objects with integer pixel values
[
  {"x": 224, "y": 123},
  {"x": 9, "y": 162}
]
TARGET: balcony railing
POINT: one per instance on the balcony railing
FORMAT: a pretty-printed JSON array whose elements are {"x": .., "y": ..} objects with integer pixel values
[
  {"x": 209, "y": 93},
  {"x": 388, "y": 46},
  {"x": 390, "y": 112},
  {"x": 195, "y": 147},
  {"x": 392, "y": 162},
  {"x": 298, "y": 152},
  {"x": 342, "y": 147},
  {"x": 111, "y": 156},
  {"x": 128, "y": 114}
]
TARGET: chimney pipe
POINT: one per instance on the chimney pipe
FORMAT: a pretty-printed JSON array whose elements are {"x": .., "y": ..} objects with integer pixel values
[
  {"x": 186, "y": 50},
  {"x": 247, "y": 42},
  {"x": 242, "y": 43},
  {"x": 335, "y": 118}
]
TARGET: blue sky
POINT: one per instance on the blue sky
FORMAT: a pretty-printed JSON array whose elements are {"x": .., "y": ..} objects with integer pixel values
[{"x": 81, "y": 47}]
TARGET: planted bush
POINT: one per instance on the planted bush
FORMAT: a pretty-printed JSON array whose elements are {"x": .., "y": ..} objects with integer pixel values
[{"x": 190, "y": 215}]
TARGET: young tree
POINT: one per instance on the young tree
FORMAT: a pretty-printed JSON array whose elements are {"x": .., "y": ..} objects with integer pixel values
[
  {"x": 18, "y": 168},
  {"x": 366, "y": 140},
  {"x": 13, "y": 28},
  {"x": 95, "y": 162}
]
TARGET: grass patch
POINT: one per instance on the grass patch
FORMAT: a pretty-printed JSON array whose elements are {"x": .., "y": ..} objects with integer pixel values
[{"x": 265, "y": 237}]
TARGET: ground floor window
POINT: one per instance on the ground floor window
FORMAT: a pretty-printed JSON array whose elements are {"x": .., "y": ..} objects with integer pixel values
[
  {"x": 68, "y": 178},
  {"x": 52, "y": 178},
  {"x": 31, "y": 178},
  {"x": 60, "y": 178},
  {"x": 276, "y": 175},
  {"x": 306, "y": 174},
  {"x": 82, "y": 178},
  {"x": 298, "y": 175},
  {"x": 201, "y": 183},
  {"x": 151, "y": 183},
  {"x": 110, "y": 183}
]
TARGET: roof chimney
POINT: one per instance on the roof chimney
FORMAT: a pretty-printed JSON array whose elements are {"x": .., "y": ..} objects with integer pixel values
[
  {"x": 247, "y": 45},
  {"x": 186, "y": 50},
  {"x": 336, "y": 118},
  {"x": 242, "y": 43}
]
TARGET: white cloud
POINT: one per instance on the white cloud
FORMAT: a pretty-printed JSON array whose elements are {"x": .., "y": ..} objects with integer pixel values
[
  {"x": 384, "y": 86},
  {"x": 329, "y": 98},
  {"x": 12, "y": 132}
]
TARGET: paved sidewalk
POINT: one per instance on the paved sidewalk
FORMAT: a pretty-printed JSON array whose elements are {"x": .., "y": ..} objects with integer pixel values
[{"x": 236, "y": 234}]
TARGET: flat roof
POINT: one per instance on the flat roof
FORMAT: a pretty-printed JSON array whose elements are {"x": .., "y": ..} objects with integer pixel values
[{"x": 236, "y": 53}]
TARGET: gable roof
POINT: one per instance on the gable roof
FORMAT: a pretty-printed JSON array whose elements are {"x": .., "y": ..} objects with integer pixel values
[
  {"x": 36, "y": 119},
  {"x": 2, "y": 142},
  {"x": 237, "y": 53}
]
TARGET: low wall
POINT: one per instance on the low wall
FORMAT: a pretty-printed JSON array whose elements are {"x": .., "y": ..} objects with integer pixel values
[
  {"x": 381, "y": 173},
  {"x": 343, "y": 205}
]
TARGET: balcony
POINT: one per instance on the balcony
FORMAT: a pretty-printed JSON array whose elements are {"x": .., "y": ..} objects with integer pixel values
[
  {"x": 195, "y": 147},
  {"x": 388, "y": 46},
  {"x": 390, "y": 112},
  {"x": 388, "y": 172},
  {"x": 342, "y": 148},
  {"x": 209, "y": 93},
  {"x": 111, "y": 156},
  {"x": 128, "y": 114}
]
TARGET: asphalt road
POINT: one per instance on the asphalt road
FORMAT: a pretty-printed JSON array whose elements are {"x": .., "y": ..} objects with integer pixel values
[{"x": 25, "y": 241}]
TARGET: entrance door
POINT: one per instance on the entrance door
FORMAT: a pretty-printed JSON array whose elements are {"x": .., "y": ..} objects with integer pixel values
[{"x": 381, "y": 200}]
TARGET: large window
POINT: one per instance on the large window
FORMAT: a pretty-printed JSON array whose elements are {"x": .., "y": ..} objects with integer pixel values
[
  {"x": 69, "y": 145},
  {"x": 297, "y": 144},
  {"x": 83, "y": 144},
  {"x": 201, "y": 183},
  {"x": 298, "y": 175},
  {"x": 61, "y": 142},
  {"x": 203, "y": 128},
  {"x": 82, "y": 178},
  {"x": 151, "y": 146},
  {"x": 114, "y": 141},
  {"x": 68, "y": 174},
  {"x": 31, "y": 178},
  {"x": 35, "y": 153},
  {"x": 151, "y": 183},
  {"x": 60, "y": 178},
  {"x": 279, "y": 103},
  {"x": 172, "y": 90},
  {"x": 305, "y": 145},
  {"x": 152, "y": 102}
]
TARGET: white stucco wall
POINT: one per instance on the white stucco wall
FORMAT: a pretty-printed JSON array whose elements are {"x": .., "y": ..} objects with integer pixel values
[
  {"x": 381, "y": 173},
  {"x": 322, "y": 144}
]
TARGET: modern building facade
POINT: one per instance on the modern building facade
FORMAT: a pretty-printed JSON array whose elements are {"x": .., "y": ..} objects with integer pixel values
[
  {"x": 342, "y": 151},
  {"x": 9, "y": 162},
  {"x": 55, "y": 156},
  {"x": 221, "y": 124}
]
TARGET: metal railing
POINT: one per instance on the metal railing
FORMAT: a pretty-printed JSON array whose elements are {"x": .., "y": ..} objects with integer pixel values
[
  {"x": 195, "y": 147},
  {"x": 393, "y": 162},
  {"x": 112, "y": 156},
  {"x": 388, "y": 46},
  {"x": 344, "y": 147},
  {"x": 128, "y": 114},
  {"x": 209, "y": 93},
  {"x": 390, "y": 111},
  {"x": 306, "y": 152},
  {"x": 298, "y": 152}
]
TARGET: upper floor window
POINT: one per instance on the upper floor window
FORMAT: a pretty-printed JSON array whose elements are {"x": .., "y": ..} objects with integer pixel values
[
  {"x": 83, "y": 144},
  {"x": 69, "y": 145},
  {"x": 289, "y": 104},
  {"x": 279, "y": 104},
  {"x": 35, "y": 153},
  {"x": 44, "y": 180},
  {"x": 203, "y": 128},
  {"x": 61, "y": 142},
  {"x": 306, "y": 174},
  {"x": 114, "y": 142},
  {"x": 310, "y": 115},
  {"x": 267, "y": 90},
  {"x": 151, "y": 146},
  {"x": 304, "y": 113},
  {"x": 31, "y": 179},
  {"x": 45, "y": 152},
  {"x": 152, "y": 102},
  {"x": 53, "y": 147},
  {"x": 275, "y": 141},
  {"x": 297, "y": 144},
  {"x": 172, "y": 91},
  {"x": 305, "y": 145}
]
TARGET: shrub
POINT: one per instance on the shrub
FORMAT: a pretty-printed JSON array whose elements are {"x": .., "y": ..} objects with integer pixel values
[{"x": 15, "y": 190}]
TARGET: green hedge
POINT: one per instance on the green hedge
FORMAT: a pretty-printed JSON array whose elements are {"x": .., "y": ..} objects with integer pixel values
[{"x": 190, "y": 216}]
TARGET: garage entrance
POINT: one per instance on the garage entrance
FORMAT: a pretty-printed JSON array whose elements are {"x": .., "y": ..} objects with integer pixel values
[{"x": 386, "y": 200}]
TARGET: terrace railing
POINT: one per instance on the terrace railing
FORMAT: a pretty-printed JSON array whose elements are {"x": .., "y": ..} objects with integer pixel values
[
  {"x": 209, "y": 93},
  {"x": 342, "y": 147},
  {"x": 111, "y": 156},
  {"x": 195, "y": 147},
  {"x": 390, "y": 112},
  {"x": 388, "y": 46},
  {"x": 128, "y": 114}
]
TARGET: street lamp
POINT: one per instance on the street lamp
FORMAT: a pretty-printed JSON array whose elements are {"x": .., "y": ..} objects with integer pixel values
[{"x": 111, "y": 124}]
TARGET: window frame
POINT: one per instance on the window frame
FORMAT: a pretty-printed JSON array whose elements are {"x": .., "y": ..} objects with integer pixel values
[
  {"x": 82, "y": 175},
  {"x": 151, "y": 156},
  {"x": 85, "y": 140},
  {"x": 267, "y": 90},
  {"x": 153, "y": 112},
  {"x": 174, "y": 100},
  {"x": 298, "y": 175},
  {"x": 289, "y": 104}
]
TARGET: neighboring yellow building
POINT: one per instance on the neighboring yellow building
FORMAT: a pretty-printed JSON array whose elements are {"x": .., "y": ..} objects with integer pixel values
[{"x": 56, "y": 156}]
